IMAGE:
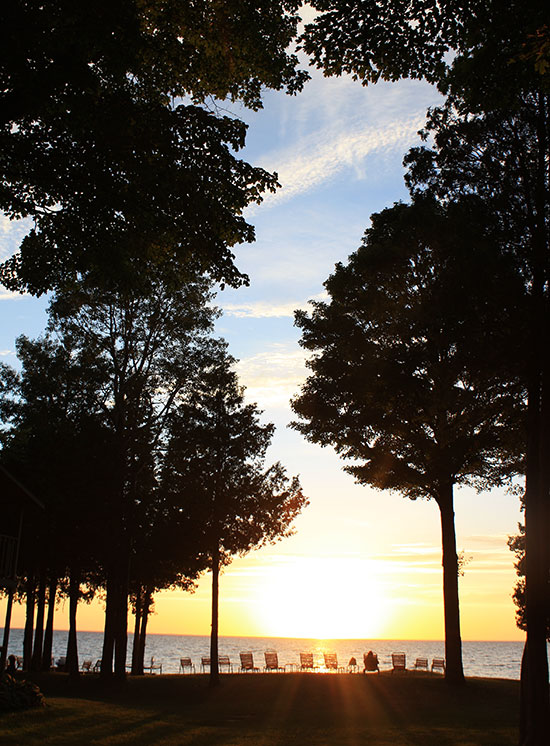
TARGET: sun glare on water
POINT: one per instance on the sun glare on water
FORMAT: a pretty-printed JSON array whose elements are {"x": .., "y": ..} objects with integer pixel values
[{"x": 324, "y": 598}]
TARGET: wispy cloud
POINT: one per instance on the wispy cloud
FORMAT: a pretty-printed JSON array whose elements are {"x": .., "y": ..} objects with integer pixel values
[
  {"x": 479, "y": 541},
  {"x": 274, "y": 376},
  {"x": 7, "y": 353},
  {"x": 9, "y": 294},
  {"x": 259, "y": 310},
  {"x": 321, "y": 157},
  {"x": 267, "y": 309}
]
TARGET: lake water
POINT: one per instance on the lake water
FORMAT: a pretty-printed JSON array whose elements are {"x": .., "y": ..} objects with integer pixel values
[{"x": 493, "y": 659}]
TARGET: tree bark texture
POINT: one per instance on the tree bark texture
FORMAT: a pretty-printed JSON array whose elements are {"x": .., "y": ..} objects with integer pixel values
[{"x": 454, "y": 672}]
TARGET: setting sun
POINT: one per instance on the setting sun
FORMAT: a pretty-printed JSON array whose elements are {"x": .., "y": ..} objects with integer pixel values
[{"x": 324, "y": 598}]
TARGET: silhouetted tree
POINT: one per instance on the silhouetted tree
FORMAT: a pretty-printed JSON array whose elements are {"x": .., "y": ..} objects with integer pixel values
[
  {"x": 54, "y": 440},
  {"x": 215, "y": 466},
  {"x": 398, "y": 382},
  {"x": 501, "y": 157},
  {"x": 151, "y": 344}
]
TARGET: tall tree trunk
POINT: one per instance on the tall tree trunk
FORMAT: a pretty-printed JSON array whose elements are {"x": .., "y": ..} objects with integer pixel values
[
  {"x": 535, "y": 695},
  {"x": 214, "y": 668},
  {"x": 137, "y": 623},
  {"x": 109, "y": 628},
  {"x": 454, "y": 672},
  {"x": 7, "y": 627},
  {"x": 36, "y": 661},
  {"x": 29, "y": 623},
  {"x": 147, "y": 600},
  {"x": 111, "y": 631},
  {"x": 48, "y": 634},
  {"x": 121, "y": 629},
  {"x": 72, "y": 642},
  {"x": 535, "y": 714}
]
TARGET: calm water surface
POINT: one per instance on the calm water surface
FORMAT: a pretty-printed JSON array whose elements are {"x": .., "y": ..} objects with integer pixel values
[{"x": 493, "y": 659}]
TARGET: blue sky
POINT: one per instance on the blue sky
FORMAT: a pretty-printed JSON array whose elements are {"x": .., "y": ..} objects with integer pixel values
[{"x": 338, "y": 150}]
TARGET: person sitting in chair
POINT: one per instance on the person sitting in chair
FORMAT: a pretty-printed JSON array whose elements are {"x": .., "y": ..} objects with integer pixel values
[
  {"x": 12, "y": 665},
  {"x": 370, "y": 660}
]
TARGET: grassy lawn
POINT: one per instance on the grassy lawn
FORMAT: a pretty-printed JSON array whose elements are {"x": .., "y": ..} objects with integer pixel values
[{"x": 270, "y": 710}]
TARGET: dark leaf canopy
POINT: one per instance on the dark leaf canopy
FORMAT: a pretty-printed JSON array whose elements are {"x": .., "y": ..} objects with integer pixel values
[
  {"x": 477, "y": 42},
  {"x": 497, "y": 157},
  {"x": 401, "y": 382},
  {"x": 99, "y": 149},
  {"x": 126, "y": 188},
  {"x": 161, "y": 48}
]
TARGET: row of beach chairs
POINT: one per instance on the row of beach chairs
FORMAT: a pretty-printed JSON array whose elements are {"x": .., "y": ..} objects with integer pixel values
[
  {"x": 399, "y": 663},
  {"x": 89, "y": 666},
  {"x": 370, "y": 662}
]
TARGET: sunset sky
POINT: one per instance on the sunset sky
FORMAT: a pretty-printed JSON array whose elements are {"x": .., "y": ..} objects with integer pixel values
[{"x": 362, "y": 564}]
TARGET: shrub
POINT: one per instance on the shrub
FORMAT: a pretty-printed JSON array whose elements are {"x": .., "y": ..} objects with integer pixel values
[{"x": 19, "y": 695}]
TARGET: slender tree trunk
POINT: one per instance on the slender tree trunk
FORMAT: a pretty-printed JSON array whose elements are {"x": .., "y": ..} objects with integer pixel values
[
  {"x": 454, "y": 672},
  {"x": 36, "y": 661},
  {"x": 48, "y": 634},
  {"x": 7, "y": 627},
  {"x": 137, "y": 623},
  {"x": 214, "y": 668},
  {"x": 72, "y": 642},
  {"x": 147, "y": 600},
  {"x": 121, "y": 630},
  {"x": 29, "y": 623},
  {"x": 109, "y": 629}
]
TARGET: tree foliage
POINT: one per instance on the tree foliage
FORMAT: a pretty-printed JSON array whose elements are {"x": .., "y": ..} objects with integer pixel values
[
  {"x": 398, "y": 365},
  {"x": 469, "y": 45},
  {"x": 215, "y": 467},
  {"x": 115, "y": 170}
]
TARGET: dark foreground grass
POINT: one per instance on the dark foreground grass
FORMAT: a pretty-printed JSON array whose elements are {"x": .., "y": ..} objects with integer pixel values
[{"x": 270, "y": 710}]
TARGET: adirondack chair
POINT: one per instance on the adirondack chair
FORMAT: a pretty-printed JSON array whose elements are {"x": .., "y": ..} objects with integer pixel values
[
  {"x": 225, "y": 662},
  {"x": 187, "y": 663},
  {"x": 247, "y": 662},
  {"x": 398, "y": 661},
  {"x": 438, "y": 664},
  {"x": 153, "y": 666},
  {"x": 306, "y": 662},
  {"x": 421, "y": 663},
  {"x": 331, "y": 662},
  {"x": 272, "y": 661}
]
